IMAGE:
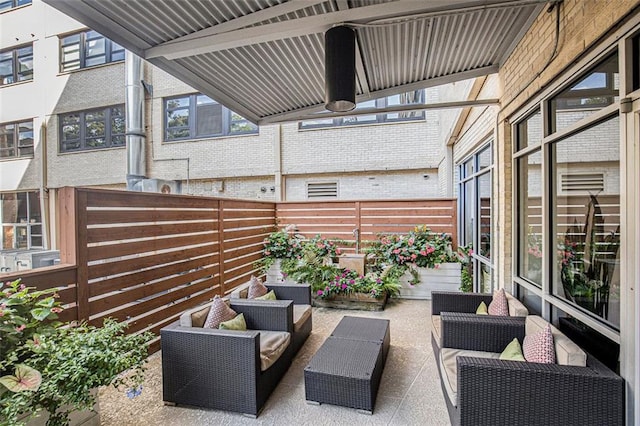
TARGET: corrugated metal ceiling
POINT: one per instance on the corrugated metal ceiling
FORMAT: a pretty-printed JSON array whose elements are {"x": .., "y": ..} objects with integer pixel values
[{"x": 265, "y": 58}]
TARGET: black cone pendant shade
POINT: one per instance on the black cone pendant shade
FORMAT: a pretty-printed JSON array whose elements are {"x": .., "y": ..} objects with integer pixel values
[{"x": 340, "y": 69}]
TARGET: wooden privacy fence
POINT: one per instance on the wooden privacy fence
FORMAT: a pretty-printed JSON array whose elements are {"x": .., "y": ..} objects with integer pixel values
[
  {"x": 144, "y": 258},
  {"x": 339, "y": 219}
]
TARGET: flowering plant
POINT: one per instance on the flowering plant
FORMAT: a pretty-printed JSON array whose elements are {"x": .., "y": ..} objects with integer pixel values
[
  {"x": 321, "y": 247},
  {"x": 47, "y": 365},
  {"x": 281, "y": 245},
  {"x": 348, "y": 282}
]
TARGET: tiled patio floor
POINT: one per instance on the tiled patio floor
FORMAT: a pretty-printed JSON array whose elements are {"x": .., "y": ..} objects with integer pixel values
[{"x": 410, "y": 392}]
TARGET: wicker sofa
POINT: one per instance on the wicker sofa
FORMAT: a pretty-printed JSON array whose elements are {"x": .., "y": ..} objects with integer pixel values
[
  {"x": 480, "y": 389},
  {"x": 300, "y": 294},
  {"x": 223, "y": 369},
  {"x": 442, "y": 301}
]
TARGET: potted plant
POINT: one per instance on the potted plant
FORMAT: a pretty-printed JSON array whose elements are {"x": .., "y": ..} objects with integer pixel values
[
  {"x": 47, "y": 365},
  {"x": 424, "y": 257},
  {"x": 349, "y": 290},
  {"x": 588, "y": 260},
  {"x": 282, "y": 249}
]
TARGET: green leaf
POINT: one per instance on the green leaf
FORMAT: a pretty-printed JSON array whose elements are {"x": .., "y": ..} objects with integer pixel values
[
  {"x": 25, "y": 379},
  {"x": 40, "y": 314}
]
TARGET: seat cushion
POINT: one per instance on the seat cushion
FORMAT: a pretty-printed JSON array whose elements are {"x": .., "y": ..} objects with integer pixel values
[
  {"x": 567, "y": 352},
  {"x": 301, "y": 313},
  {"x": 436, "y": 325},
  {"x": 449, "y": 369},
  {"x": 272, "y": 345},
  {"x": 516, "y": 308}
]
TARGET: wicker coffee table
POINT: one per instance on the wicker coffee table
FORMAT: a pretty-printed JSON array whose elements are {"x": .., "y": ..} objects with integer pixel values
[{"x": 347, "y": 368}]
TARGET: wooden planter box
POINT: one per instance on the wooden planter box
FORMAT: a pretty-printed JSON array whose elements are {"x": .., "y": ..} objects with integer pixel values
[
  {"x": 354, "y": 301},
  {"x": 444, "y": 278}
]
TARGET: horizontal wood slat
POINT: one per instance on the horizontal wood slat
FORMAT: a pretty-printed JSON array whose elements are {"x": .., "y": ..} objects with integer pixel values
[
  {"x": 235, "y": 224},
  {"x": 246, "y": 214},
  {"x": 98, "y": 235},
  {"x": 109, "y": 251},
  {"x": 237, "y": 262},
  {"x": 106, "y": 198},
  {"x": 103, "y": 217}
]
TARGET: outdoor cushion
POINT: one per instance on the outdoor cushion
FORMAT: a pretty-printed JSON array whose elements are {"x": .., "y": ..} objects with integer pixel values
[
  {"x": 237, "y": 323},
  {"x": 195, "y": 317},
  {"x": 219, "y": 312},
  {"x": 300, "y": 315},
  {"x": 269, "y": 296},
  {"x": 256, "y": 288},
  {"x": 449, "y": 370},
  {"x": 567, "y": 352},
  {"x": 272, "y": 345},
  {"x": 516, "y": 308},
  {"x": 499, "y": 305},
  {"x": 538, "y": 347},
  {"x": 436, "y": 324},
  {"x": 482, "y": 309},
  {"x": 513, "y": 351}
]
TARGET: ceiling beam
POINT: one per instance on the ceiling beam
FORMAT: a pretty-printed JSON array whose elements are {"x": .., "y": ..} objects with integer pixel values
[
  {"x": 299, "y": 27},
  {"x": 306, "y": 113},
  {"x": 477, "y": 86}
]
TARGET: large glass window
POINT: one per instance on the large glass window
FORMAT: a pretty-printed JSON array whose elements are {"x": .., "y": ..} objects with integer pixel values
[
  {"x": 92, "y": 129},
  {"x": 199, "y": 116},
  {"x": 16, "y": 65},
  {"x": 567, "y": 206},
  {"x": 21, "y": 220},
  {"x": 587, "y": 221},
  {"x": 10, "y": 4},
  {"x": 16, "y": 140},
  {"x": 475, "y": 209},
  {"x": 88, "y": 49},
  {"x": 410, "y": 98}
]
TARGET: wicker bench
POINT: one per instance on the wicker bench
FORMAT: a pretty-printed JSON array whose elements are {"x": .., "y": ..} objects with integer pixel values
[{"x": 347, "y": 368}]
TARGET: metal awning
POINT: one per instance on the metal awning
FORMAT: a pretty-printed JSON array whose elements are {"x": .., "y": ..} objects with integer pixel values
[{"x": 264, "y": 59}]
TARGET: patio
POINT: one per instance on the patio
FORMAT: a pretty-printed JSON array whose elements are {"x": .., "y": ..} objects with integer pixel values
[{"x": 409, "y": 394}]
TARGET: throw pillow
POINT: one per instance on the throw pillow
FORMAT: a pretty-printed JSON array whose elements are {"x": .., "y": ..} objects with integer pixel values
[
  {"x": 539, "y": 347},
  {"x": 218, "y": 313},
  {"x": 269, "y": 296},
  {"x": 513, "y": 351},
  {"x": 482, "y": 309},
  {"x": 256, "y": 288},
  {"x": 238, "y": 323},
  {"x": 499, "y": 305}
]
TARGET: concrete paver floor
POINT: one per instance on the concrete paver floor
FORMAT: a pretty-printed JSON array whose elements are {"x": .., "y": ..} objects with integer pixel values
[{"x": 409, "y": 394}]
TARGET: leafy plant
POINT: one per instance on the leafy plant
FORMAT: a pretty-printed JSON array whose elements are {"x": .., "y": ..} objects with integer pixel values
[
  {"x": 48, "y": 365},
  {"x": 466, "y": 273},
  {"x": 586, "y": 264},
  {"x": 280, "y": 245},
  {"x": 348, "y": 282}
]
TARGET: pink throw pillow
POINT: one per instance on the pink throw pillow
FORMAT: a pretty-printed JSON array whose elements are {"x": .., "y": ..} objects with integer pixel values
[
  {"x": 539, "y": 347},
  {"x": 219, "y": 312},
  {"x": 499, "y": 305},
  {"x": 256, "y": 288}
]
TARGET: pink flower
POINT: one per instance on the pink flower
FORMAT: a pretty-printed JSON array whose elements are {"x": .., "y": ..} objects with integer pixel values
[
  {"x": 413, "y": 256},
  {"x": 410, "y": 241},
  {"x": 56, "y": 310},
  {"x": 267, "y": 252},
  {"x": 338, "y": 251},
  {"x": 22, "y": 327},
  {"x": 22, "y": 286},
  {"x": 396, "y": 251},
  {"x": 423, "y": 253},
  {"x": 344, "y": 286},
  {"x": 320, "y": 292}
]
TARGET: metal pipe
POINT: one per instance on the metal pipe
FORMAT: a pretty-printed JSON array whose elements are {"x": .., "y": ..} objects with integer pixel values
[
  {"x": 134, "y": 109},
  {"x": 44, "y": 191}
]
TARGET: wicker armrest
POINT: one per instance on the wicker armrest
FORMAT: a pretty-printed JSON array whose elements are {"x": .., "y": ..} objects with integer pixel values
[
  {"x": 275, "y": 315},
  {"x": 493, "y": 392},
  {"x": 442, "y": 301},
  {"x": 299, "y": 293},
  {"x": 486, "y": 333}
]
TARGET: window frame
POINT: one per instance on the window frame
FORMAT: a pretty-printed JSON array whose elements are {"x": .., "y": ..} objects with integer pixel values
[
  {"x": 82, "y": 43},
  {"x": 15, "y": 60},
  {"x": 16, "y": 141},
  {"x": 227, "y": 117},
  {"x": 381, "y": 117},
  {"x": 15, "y": 4},
  {"x": 28, "y": 223},
  {"x": 82, "y": 138}
]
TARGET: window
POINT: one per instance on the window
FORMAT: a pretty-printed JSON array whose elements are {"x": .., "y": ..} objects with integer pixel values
[
  {"x": 16, "y": 140},
  {"x": 635, "y": 43},
  {"x": 93, "y": 129},
  {"x": 21, "y": 220},
  {"x": 11, "y": 4},
  {"x": 16, "y": 65},
  {"x": 88, "y": 49},
  {"x": 475, "y": 207},
  {"x": 409, "y": 98},
  {"x": 198, "y": 116},
  {"x": 322, "y": 190}
]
